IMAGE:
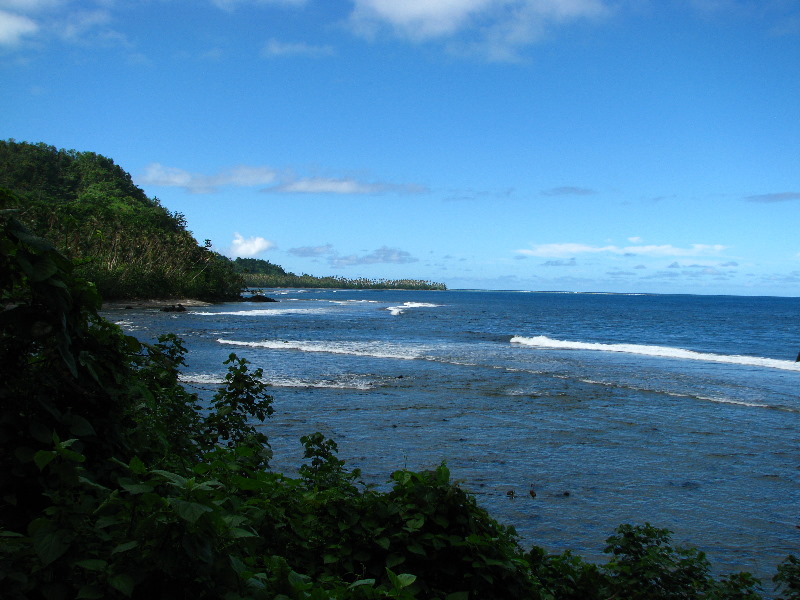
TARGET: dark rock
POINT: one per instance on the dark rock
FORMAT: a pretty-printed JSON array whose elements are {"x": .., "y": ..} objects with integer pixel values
[{"x": 174, "y": 308}]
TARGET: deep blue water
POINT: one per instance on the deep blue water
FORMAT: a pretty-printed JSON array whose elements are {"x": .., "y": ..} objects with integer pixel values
[{"x": 681, "y": 411}]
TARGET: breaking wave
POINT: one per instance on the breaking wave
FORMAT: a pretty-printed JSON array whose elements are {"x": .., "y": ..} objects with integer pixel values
[
  {"x": 399, "y": 310},
  {"x": 542, "y": 341}
]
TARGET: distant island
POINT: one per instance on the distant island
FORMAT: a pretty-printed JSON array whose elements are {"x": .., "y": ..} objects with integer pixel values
[
  {"x": 258, "y": 273},
  {"x": 129, "y": 245}
]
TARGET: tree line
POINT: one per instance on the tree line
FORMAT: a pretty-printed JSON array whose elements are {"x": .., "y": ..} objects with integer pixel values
[{"x": 258, "y": 273}]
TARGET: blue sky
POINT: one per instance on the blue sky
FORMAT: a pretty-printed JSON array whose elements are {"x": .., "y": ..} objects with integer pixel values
[{"x": 582, "y": 145}]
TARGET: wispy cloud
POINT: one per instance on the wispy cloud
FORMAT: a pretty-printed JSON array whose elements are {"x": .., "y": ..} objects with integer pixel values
[
  {"x": 274, "y": 49},
  {"x": 259, "y": 176},
  {"x": 231, "y": 4},
  {"x": 196, "y": 183},
  {"x": 568, "y": 191},
  {"x": 312, "y": 251},
  {"x": 88, "y": 23},
  {"x": 495, "y": 29},
  {"x": 346, "y": 185},
  {"x": 560, "y": 263},
  {"x": 571, "y": 249},
  {"x": 383, "y": 255},
  {"x": 777, "y": 197},
  {"x": 468, "y": 195},
  {"x": 249, "y": 247},
  {"x": 14, "y": 27}
]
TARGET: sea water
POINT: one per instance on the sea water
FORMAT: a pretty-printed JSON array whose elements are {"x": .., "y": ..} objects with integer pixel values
[{"x": 680, "y": 411}]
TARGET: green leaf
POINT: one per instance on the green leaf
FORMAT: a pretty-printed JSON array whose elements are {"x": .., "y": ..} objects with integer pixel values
[
  {"x": 405, "y": 579},
  {"x": 417, "y": 549},
  {"x": 299, "y": 582},
  {"x": 107, "y": 521},
  {"x": 400, "y": 581},
  {"x": 50, "y": 545},
  {"x": 457, "y": 596},
  {"x": 238, "y": 532},
  {"x": 5, "y": 533},
  {"x": 92, "y": 564},
  {"x": 123, "y": 583},
  {"x": 173, "y": 477},
  {"x": 361, "y": 582},
  {"x": 40, "y": 270},
  {"x": 137, "y": 488},
  {"x": 189, "y": 511},
  {"x": 395, "y": 559},
  {"x": 125, "y": 546},
  {"x": 137, "y": 466},
  {"x": 383, "y": 542},
  {"x": 43, "y": 457}
]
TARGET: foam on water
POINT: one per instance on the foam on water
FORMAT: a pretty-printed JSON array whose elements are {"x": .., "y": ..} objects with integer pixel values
[
  {"x": 371, "y": 349},
  {"x": 542, "y": 341},
  {"x": 399, "y": 310},
  {"x": 262, "y": 312},
  {"x": 343, "y": 382}
]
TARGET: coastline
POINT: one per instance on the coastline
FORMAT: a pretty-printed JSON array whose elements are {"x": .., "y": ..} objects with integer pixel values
[{"x": 153, "y": 303}]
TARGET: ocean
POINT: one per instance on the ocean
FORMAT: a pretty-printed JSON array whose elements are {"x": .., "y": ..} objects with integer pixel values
[{"x": 681, "y": 411}]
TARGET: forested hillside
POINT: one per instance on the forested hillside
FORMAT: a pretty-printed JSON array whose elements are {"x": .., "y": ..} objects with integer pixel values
[{"x": 129, "y": 245}]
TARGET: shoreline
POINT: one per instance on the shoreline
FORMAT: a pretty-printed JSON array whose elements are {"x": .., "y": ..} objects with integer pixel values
[{"x": 153, "y": 303}]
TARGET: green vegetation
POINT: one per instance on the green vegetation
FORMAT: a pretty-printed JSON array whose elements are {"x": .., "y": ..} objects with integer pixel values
[
  {"x": 259, "y": 273},
  {"x": 126, "y": 243},
  {"x": 116, "y": 482}
]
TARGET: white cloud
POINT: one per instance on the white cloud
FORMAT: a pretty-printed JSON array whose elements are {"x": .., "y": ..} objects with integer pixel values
[
  {"x": 28, "y": 6},
  {"x": 276, "y": 48},
  {"x": 249, "y": 247},
  {"x": 71, "y": 21},
  {"x": 570, "y": 249},
  {"x": 417, "y": 19},
  {"x": 14, "y": 27},
  {"x": 195, "y": 183},
  {"x": 501, "y": 26}
]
